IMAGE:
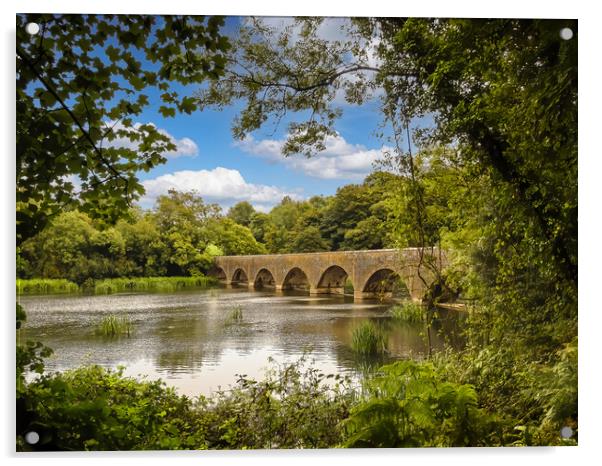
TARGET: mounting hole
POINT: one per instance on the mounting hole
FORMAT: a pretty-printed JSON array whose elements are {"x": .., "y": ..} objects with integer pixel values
[
  {"x": 566, "y": 33},
  {"x": 32, "y": 437},
  {"x": 32, "y": 28},
  {"x": 566, "y": 432}
]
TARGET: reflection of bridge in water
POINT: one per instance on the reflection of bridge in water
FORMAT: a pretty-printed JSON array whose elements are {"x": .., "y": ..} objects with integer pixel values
[{"x": 373, "y": 274}]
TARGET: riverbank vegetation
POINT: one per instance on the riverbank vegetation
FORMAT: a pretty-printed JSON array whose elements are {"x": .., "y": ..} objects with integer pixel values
[
  {"x": 408, "y": 312},
  {"x": 113, "y": 285},
  {"x": 493, "y": 182},
  {"x": 45, "y": 286}
]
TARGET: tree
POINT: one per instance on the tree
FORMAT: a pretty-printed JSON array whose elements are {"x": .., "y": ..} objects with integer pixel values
[
  {"x": 356, "y": 215},
  {"x": 242, "y": 213},
  {"x": 143, "y": 246},
  {"x": 259, "y": 225},
  {"x": 495, "y": 178},
  {"x": 81, "y": 82},
  {"x": 232, "y": 238},
  {"x": 60, "y": 250},
  {"x": 502, "y": 92},
  {"x": 309, "y": 240}
]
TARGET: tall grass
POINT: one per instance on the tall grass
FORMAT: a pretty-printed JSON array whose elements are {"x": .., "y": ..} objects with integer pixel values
[
  {"x": 45, "y": 286},
  {"x": 408, "y": 312},
  {"x": 234, "y": 316},
  {"x": 112, "y": 326},
  {"x": 368, "y": 340},
  {"x": 115, "y": 285}
]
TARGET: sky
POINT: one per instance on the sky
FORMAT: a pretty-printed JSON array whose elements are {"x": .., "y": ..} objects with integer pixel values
[{"x": 225, "y": 171}]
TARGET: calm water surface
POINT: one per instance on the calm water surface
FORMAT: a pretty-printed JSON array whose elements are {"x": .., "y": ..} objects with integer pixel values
[{"x": 183, "y": 337}]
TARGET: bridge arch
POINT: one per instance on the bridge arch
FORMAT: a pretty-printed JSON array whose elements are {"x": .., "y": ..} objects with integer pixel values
[
  {"x": 264, "y": 279},
  {"x": 370, "y": 271},
  {"x": 296, "y": 279},
  {"x": 239, "y": 277},
  {"x": 218, "y": 273},
  {"x": 332, "y": 280},
  {"x": 384, "y": 283}
]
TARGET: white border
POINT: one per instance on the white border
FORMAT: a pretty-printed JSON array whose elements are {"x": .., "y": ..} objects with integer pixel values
[{"x": 589, "y": 226}]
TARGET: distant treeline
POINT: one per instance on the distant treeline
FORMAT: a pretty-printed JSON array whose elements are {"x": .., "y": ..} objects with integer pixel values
[{"x": 182, "y": 234}]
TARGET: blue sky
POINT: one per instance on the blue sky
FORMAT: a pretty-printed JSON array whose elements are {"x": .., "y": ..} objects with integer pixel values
[{"x": 226, "y": 171}]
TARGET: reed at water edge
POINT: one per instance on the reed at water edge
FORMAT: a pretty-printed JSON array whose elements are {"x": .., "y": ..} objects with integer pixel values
[
  {"x": 113, "y": 285},
  {"x": 368, "y": 340}
]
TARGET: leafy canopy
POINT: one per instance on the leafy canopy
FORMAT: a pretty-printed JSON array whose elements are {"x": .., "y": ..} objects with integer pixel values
[{"x": 81, "y": 82}]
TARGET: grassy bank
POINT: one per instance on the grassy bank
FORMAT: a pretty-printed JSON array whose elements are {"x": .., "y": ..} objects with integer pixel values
[
  {"x": 113, "y": 285},
  {"x": 45, "y": 286}
]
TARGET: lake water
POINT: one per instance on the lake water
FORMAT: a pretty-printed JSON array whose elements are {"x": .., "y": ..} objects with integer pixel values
[{"x": 184, "y": 338}]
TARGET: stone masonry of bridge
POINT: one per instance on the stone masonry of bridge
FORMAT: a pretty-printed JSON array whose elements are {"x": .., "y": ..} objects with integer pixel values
[{"x": 372, "y": 273}]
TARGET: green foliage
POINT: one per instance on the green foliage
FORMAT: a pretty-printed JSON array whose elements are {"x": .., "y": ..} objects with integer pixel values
[
  {"x": 232, "y": 238},
  {"x": 242, "y": 213},
  {"x": 29, "y": 356},
  {"x": 97, "y": 409},
  {"x": 355, "y": 218},
  {"x": 292, "y": 407},
  {"x": 348, "y": 288},
  {"x": 408, "y": 312},
  {"x": 181, "y": 236},
  {"x": 45, "y": 286},
  {"x": 409, "y": 405},
  {"x": 309, "y": 240},
  {"x": 114, "y": 326},
  {"x": 81, "y": 82},
  {"x": 368, "y": 339}
]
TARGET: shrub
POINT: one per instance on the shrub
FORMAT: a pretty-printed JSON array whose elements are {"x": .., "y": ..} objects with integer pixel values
[
  {"x": 292, "y": 407},
  {"x": 92, "y": 408},
  {"x": 409, "y": 405}
]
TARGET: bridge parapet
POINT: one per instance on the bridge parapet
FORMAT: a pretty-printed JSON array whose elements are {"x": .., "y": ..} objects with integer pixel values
[{"x": 372, "y": 272}]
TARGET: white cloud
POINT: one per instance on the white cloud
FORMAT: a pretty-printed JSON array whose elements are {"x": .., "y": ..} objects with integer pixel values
[
  {"x": 331, "y": 28},
  {"x": 221, "y": 185},
  {"x": 340, "y": 159},
  {"x": 185, "y": 147}
]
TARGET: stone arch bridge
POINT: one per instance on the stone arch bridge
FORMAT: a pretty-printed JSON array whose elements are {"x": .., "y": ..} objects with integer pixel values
[{"x": 373, "y": 273}]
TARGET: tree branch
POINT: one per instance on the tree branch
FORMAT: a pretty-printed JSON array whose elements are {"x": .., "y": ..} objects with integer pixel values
[{"x": 23, "y": 56}]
